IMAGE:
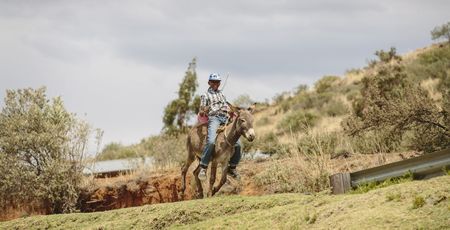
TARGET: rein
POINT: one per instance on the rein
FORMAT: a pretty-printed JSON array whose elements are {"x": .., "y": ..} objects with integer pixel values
[{"x": 225, "y": 132}]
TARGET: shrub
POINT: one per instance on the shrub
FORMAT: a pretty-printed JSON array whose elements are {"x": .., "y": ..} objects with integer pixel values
[
  {"x": 281, "y": 97},
  {"x": 312, "y": 100},
  {"x": 167, "y": 150},
  {"x": 388, "y": 56},
  {"x": 317, "y": 143},
  {"x": 306, "y": 167},
  {"x": 41, "y": 152},
  {"x": 116, "y": 151},
  {"x": 326, "y": 83},
  {"x": 297, "y": 121},
  {"x": 418, "y": 202},
  {"x": 301, "y": 89},
  {"x": 335, "y": 108},
  {"x": 294, "y": 176},
  {"x": 268, "y": 144}
]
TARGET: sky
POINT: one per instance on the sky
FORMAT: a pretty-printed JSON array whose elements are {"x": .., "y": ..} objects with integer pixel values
[{"x": 117, "y": 64}]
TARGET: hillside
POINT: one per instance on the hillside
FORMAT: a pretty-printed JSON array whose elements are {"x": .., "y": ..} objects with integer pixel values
[
  {"x": 411, "y": 205},
  {"x": 308, "y": 134},
  {"x": 303, "y": 132}
]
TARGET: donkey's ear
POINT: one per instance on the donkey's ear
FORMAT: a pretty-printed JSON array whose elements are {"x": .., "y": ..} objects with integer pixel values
[{"x": 251, "y": 109}]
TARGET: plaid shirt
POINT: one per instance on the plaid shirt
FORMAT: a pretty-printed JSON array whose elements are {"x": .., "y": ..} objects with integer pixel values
[{"x": 215, "y": 100}]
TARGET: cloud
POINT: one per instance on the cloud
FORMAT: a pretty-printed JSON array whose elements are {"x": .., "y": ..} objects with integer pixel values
[{"x": 121, "y": 62}]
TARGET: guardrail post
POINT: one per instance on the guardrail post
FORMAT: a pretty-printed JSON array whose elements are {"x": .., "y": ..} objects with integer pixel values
[{"x": 340, "y": 183}]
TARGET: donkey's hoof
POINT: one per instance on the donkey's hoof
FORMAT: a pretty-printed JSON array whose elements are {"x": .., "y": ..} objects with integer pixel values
[
  {"x": 181, "y": 195},
  {"x": 214, "y": 191},
  {"x": 199, "y": 196}
]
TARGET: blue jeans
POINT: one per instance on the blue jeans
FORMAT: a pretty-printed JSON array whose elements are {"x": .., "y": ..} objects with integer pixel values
[{"x": 213, "y": 124}]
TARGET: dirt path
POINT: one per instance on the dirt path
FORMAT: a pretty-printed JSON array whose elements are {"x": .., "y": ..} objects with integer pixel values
[{"x": 159, "y": 187}]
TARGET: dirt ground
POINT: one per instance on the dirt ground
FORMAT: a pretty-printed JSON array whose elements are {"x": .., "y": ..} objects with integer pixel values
[{"x": 160, "y": 187}]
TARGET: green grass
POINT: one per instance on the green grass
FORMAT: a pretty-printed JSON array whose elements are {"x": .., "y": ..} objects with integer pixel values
[
  {"x": 385, "y": 208},
  {"x": 376, "y": 185}
]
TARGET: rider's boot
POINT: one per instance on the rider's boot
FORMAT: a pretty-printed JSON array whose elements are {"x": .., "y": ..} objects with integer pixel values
[{"x": 233, "y": 172}]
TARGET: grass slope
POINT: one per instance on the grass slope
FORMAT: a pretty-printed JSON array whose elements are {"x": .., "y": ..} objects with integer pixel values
[{"x": 411, "y": 205}]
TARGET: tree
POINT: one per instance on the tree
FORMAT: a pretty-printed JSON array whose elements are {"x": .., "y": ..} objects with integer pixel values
[
  {"x": 115, "y": 150},
  {"x": 441, "y": 32},
  {"x": 178, "y": 111},
  {"x": 42, "y": 147},
  {"x": 243, "y": 101}
]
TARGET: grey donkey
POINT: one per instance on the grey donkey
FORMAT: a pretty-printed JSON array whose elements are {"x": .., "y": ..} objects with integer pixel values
[{"x": 242, "y": 125}]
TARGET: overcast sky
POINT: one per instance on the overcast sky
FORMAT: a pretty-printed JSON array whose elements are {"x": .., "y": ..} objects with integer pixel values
[{"x": 117, "y": 64}]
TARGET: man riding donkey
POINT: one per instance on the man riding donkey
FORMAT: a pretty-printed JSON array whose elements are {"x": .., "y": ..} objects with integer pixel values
[
  {"x": 214, "y": 106},
  {"x": 221, "y": 148}
]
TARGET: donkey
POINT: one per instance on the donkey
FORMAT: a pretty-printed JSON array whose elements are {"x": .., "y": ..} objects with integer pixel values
[{"x": 242, "y": 125}]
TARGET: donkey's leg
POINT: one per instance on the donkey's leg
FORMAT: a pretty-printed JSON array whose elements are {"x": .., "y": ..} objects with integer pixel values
[
  {"x": 223, "y": 179},
  {"x": 198, "y": 182},
  {"x": 184, "y": 170},
  {"x": 212, "y": 177}
]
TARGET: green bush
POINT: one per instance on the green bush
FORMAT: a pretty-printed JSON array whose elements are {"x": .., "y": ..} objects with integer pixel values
[
  {"x": 116, "y": 151},
  {"x": 326, "y": 83},
  {"x": 297, "y": 121},
  {"x": 267, "y": 144},
  {"x": 335, "y": 108},
  {"x": 311, "y": 100},
  {"x": 41, "y": 152},
  {"x": 281, "y": 97},
  {"x": 292, "y": 177},
  {"x": 285, "y": 105},
  {"x": 418, "y": 202},
  {"x": 167, "y": 150}
]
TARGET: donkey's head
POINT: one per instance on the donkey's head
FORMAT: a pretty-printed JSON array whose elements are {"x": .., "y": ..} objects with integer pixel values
[{"x": 244, "y": 122}]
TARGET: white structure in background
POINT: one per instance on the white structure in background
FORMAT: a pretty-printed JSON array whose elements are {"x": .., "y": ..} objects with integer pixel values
[{"x": 115, "y": 167}]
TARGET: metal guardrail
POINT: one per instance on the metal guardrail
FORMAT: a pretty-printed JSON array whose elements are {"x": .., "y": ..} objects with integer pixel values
[{"x": 425, "y": 166}]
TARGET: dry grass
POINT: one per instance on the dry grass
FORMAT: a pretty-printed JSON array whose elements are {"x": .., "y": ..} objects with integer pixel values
[
  {"x": 273, "y": 118},
  {"x": 328, "y": 124},
  {"x": 430, "y": 85},
  {"x": 352, "y": 77}
]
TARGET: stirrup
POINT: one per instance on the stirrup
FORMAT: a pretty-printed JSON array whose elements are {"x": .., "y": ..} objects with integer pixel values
[{"x": 202, "y": 174}]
